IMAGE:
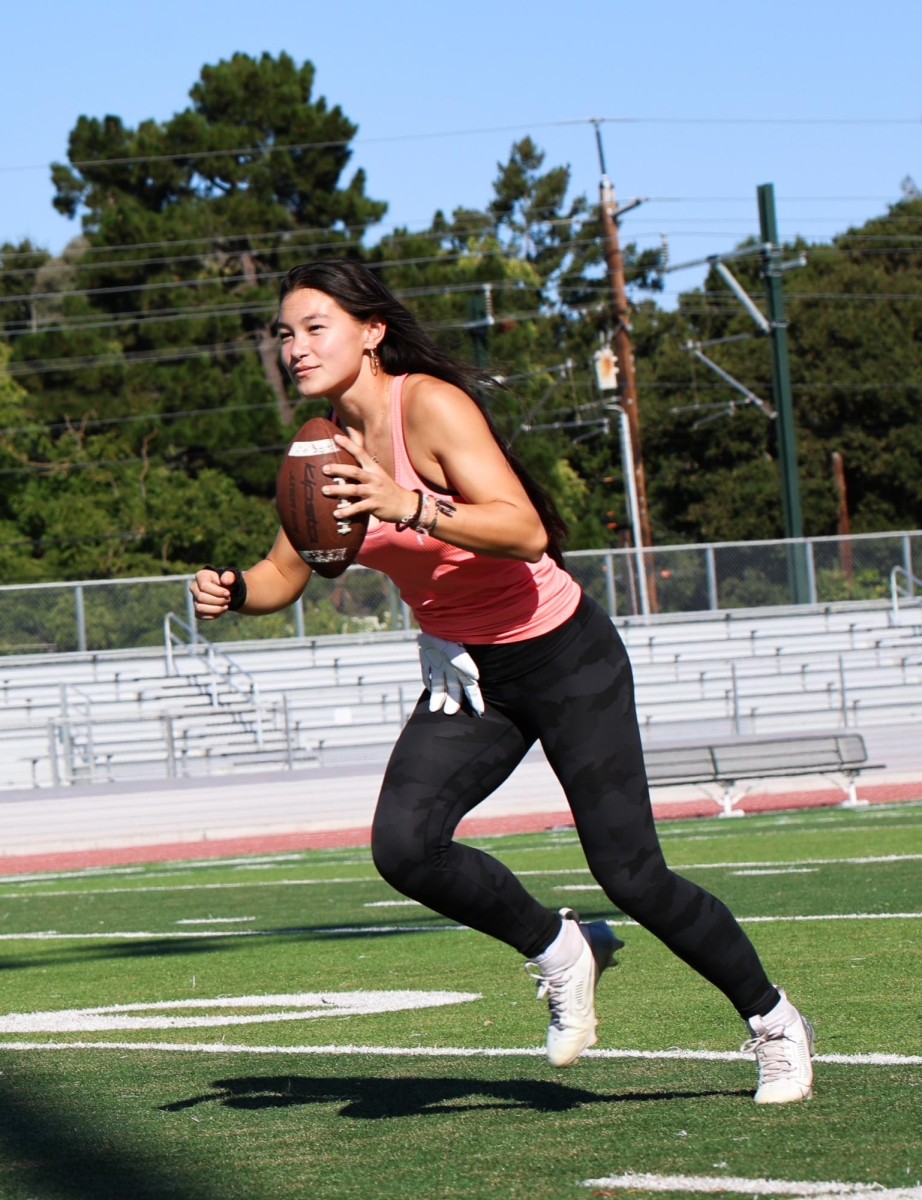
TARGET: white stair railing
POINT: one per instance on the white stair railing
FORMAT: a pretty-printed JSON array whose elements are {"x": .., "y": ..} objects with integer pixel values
[
  {"x": 214, "y": 657},
  {"x": 907, "y": 592}
]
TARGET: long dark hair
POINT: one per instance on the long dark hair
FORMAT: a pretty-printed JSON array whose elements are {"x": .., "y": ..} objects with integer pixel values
[{"x": 406, "y": 349}]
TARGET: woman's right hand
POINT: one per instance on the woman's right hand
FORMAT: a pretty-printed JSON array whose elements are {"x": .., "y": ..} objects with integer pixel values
[{"x": 211, "y": 593}]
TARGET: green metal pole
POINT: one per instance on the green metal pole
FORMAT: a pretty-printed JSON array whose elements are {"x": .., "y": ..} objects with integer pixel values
[{"x": 781, "y": 392}]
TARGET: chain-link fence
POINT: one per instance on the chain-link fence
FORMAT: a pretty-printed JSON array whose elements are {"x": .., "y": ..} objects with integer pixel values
[{"x": 128, "y": 613}]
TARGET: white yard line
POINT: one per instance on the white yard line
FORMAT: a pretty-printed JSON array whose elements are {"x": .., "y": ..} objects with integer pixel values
[
  {"x": 52, "y": 935},
  {"x": 193, "y": 887},
  {"x": 697, "y": 1184},
  {"x": 212, "y": 920},
  {"x": 780, "y": 871},
  {"x": 871, "y": 860},
  {"x": 851, "y": 1060}
]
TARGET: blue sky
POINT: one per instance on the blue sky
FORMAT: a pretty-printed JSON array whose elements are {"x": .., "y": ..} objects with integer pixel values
[{"x": 407, "y": 68}]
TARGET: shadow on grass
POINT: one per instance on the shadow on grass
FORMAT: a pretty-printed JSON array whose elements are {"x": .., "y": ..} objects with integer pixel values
[
  {"x": 50, "y": 1147},
  {"x": 373, "y": 1099},
  {"x": 164, "y": 948}
]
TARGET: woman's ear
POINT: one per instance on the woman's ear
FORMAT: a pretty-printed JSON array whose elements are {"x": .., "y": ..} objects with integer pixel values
[{"x": 375, "y": 331}]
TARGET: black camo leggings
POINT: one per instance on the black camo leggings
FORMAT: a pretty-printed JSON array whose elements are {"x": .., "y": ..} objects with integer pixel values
[{"x": 572, "y": 690}]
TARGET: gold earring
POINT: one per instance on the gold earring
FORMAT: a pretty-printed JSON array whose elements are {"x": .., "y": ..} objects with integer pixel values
[{"x": 373, "y": 353}]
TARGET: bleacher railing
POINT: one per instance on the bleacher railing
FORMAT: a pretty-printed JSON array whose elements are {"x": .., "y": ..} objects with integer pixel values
[{"x": 112, "y": 614}]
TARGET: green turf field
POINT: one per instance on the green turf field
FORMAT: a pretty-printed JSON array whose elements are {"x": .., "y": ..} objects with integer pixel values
[{"x": 326, "y": 1040}]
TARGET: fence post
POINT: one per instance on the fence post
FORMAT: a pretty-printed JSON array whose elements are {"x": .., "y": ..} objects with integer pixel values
[
  {"x": 610, "y": 596},
  {"x": 907, "y": 563},
  {"x": 811, "y": 572},
  {"x": 170, "y": 747},
  {"x": 299, "y": 617},
  {"x": 53, "y": 754},
  {"x": 288, "y": 751},
  {"x": 190, "y": 617},
  {"x": 735, "y": 697},
  {"x": 80, "y": 616},
  {"x": 843, "y": 697},
  {"x": 710, "y": 559}
]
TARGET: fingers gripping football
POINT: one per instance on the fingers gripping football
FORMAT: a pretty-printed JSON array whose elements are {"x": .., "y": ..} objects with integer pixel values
[{"x": 365, "y": 487}]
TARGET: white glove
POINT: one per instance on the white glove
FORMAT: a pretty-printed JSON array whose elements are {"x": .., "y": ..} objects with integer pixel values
[{"x": 448, "y": 670}]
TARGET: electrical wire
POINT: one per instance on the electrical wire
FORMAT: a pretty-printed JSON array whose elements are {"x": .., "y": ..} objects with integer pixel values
[{"x": 334, "y": 143}]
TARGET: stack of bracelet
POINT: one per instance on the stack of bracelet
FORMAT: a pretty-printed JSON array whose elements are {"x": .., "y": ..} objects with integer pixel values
[{"x": 428, "y": 510}]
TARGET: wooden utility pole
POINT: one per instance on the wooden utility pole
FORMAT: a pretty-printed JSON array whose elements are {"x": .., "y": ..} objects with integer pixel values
[
  {"x": 845, "y": 528},
  {"x": 621, "y": 332},
  {"x": 621, "y": 343}
]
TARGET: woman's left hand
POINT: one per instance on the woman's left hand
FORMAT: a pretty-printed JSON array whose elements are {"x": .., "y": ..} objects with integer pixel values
[{"x": 367, "y": 487}]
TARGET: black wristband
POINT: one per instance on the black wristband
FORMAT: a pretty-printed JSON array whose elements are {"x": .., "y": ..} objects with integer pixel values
[{"x": 238, "y": 589}]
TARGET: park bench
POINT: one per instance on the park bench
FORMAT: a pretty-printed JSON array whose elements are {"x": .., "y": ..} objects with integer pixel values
[{"x": 726, "y": 764}]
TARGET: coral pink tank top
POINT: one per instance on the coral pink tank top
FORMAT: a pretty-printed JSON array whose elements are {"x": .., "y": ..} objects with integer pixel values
[{"x": 456, "y": 594}]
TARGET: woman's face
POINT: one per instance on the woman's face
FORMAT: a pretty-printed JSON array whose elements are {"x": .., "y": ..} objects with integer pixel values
[{"x": 323, "y": 347}]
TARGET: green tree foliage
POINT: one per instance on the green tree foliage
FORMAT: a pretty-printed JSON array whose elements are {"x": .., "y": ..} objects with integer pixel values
[
  {"x": 855, "y": 330},
  {"x": 142, "y": 409},
  {"x": 147, "y": 347}
]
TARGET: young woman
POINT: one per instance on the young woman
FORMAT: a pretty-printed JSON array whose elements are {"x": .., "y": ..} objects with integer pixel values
[{"x": 512, "y": 653}]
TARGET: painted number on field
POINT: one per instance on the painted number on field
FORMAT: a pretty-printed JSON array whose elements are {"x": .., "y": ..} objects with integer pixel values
[{"x": 225, "y": 1010}]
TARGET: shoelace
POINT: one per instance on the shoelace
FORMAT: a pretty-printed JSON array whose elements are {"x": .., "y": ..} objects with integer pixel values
[
  {"x": 772, "y": 1055},
  {"x": 554, "y": 988}
]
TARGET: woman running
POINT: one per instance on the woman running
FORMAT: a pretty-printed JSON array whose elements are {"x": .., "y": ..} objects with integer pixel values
[{"x": 512, "y": 653}]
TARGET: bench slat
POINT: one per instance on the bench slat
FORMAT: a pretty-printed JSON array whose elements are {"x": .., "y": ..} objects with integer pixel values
[{"x": 723, "y": 761}]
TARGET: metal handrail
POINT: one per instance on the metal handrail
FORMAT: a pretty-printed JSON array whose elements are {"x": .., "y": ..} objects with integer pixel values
[
  {"x": 212, "y": 653},
  {"x": 911, "y": 582}
]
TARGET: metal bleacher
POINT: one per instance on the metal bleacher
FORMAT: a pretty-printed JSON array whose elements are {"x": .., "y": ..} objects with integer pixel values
[{"x": 197, "y": 710}]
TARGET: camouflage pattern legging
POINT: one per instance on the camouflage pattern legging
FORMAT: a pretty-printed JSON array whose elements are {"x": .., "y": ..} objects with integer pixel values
[{"x": 573, "y": 691}]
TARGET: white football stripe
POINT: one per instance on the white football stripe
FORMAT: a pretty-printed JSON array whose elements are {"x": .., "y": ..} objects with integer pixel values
[
  {"x": 848, "y": 1060},
  {"x": 311, "y": 449},
  {"x": 749, "y": 1187}
]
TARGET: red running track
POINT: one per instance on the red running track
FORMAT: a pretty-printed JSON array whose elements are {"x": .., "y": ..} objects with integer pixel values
[{"x": 70, "y": 860}]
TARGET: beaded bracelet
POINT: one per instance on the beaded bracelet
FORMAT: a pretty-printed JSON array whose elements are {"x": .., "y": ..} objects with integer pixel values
[{"x": 409, "y": 522}]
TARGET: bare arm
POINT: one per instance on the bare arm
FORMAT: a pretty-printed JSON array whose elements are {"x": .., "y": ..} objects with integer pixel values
[
  {"x": 450, "y": 443},
  {"x": 272, "y": 584}
]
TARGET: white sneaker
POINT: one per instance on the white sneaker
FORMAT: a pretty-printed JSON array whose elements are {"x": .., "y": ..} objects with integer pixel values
[
  {"x": 783, "y": 1046},
  {"x": 570, "y": 990}
]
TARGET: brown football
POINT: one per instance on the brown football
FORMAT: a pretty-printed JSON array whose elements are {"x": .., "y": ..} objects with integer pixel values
[{"x": 326, "y": 542}]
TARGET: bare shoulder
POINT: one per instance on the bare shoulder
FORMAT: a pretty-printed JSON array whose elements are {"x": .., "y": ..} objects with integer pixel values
[{"x": 431, "y": 404}]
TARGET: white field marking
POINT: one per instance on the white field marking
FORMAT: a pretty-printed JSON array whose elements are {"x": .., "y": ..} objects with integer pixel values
[
  {"x": 392, "y": 904},
  {"x": 868, "y": 860},
  {"x": 749, "y": 1187},
  {"x": 781, "y": 871},
  {"x": 195, "y": 887},
  {"x": 87, "y": 873},
  {"x": 576, "y": 887},
  {"x": 848, "y": 1060},
  {"x": 878, "y": 859},
  {"x": 212, "y": 920},
  {"x": 52, "y": 935},
  {"x": 99, "y": 872},
  {"x": 298, "y": 1006},
  {"x": 818, "y": 917}
]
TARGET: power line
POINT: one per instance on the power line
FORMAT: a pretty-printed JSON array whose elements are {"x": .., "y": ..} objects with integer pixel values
[{"x": 334, "y": 143}]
